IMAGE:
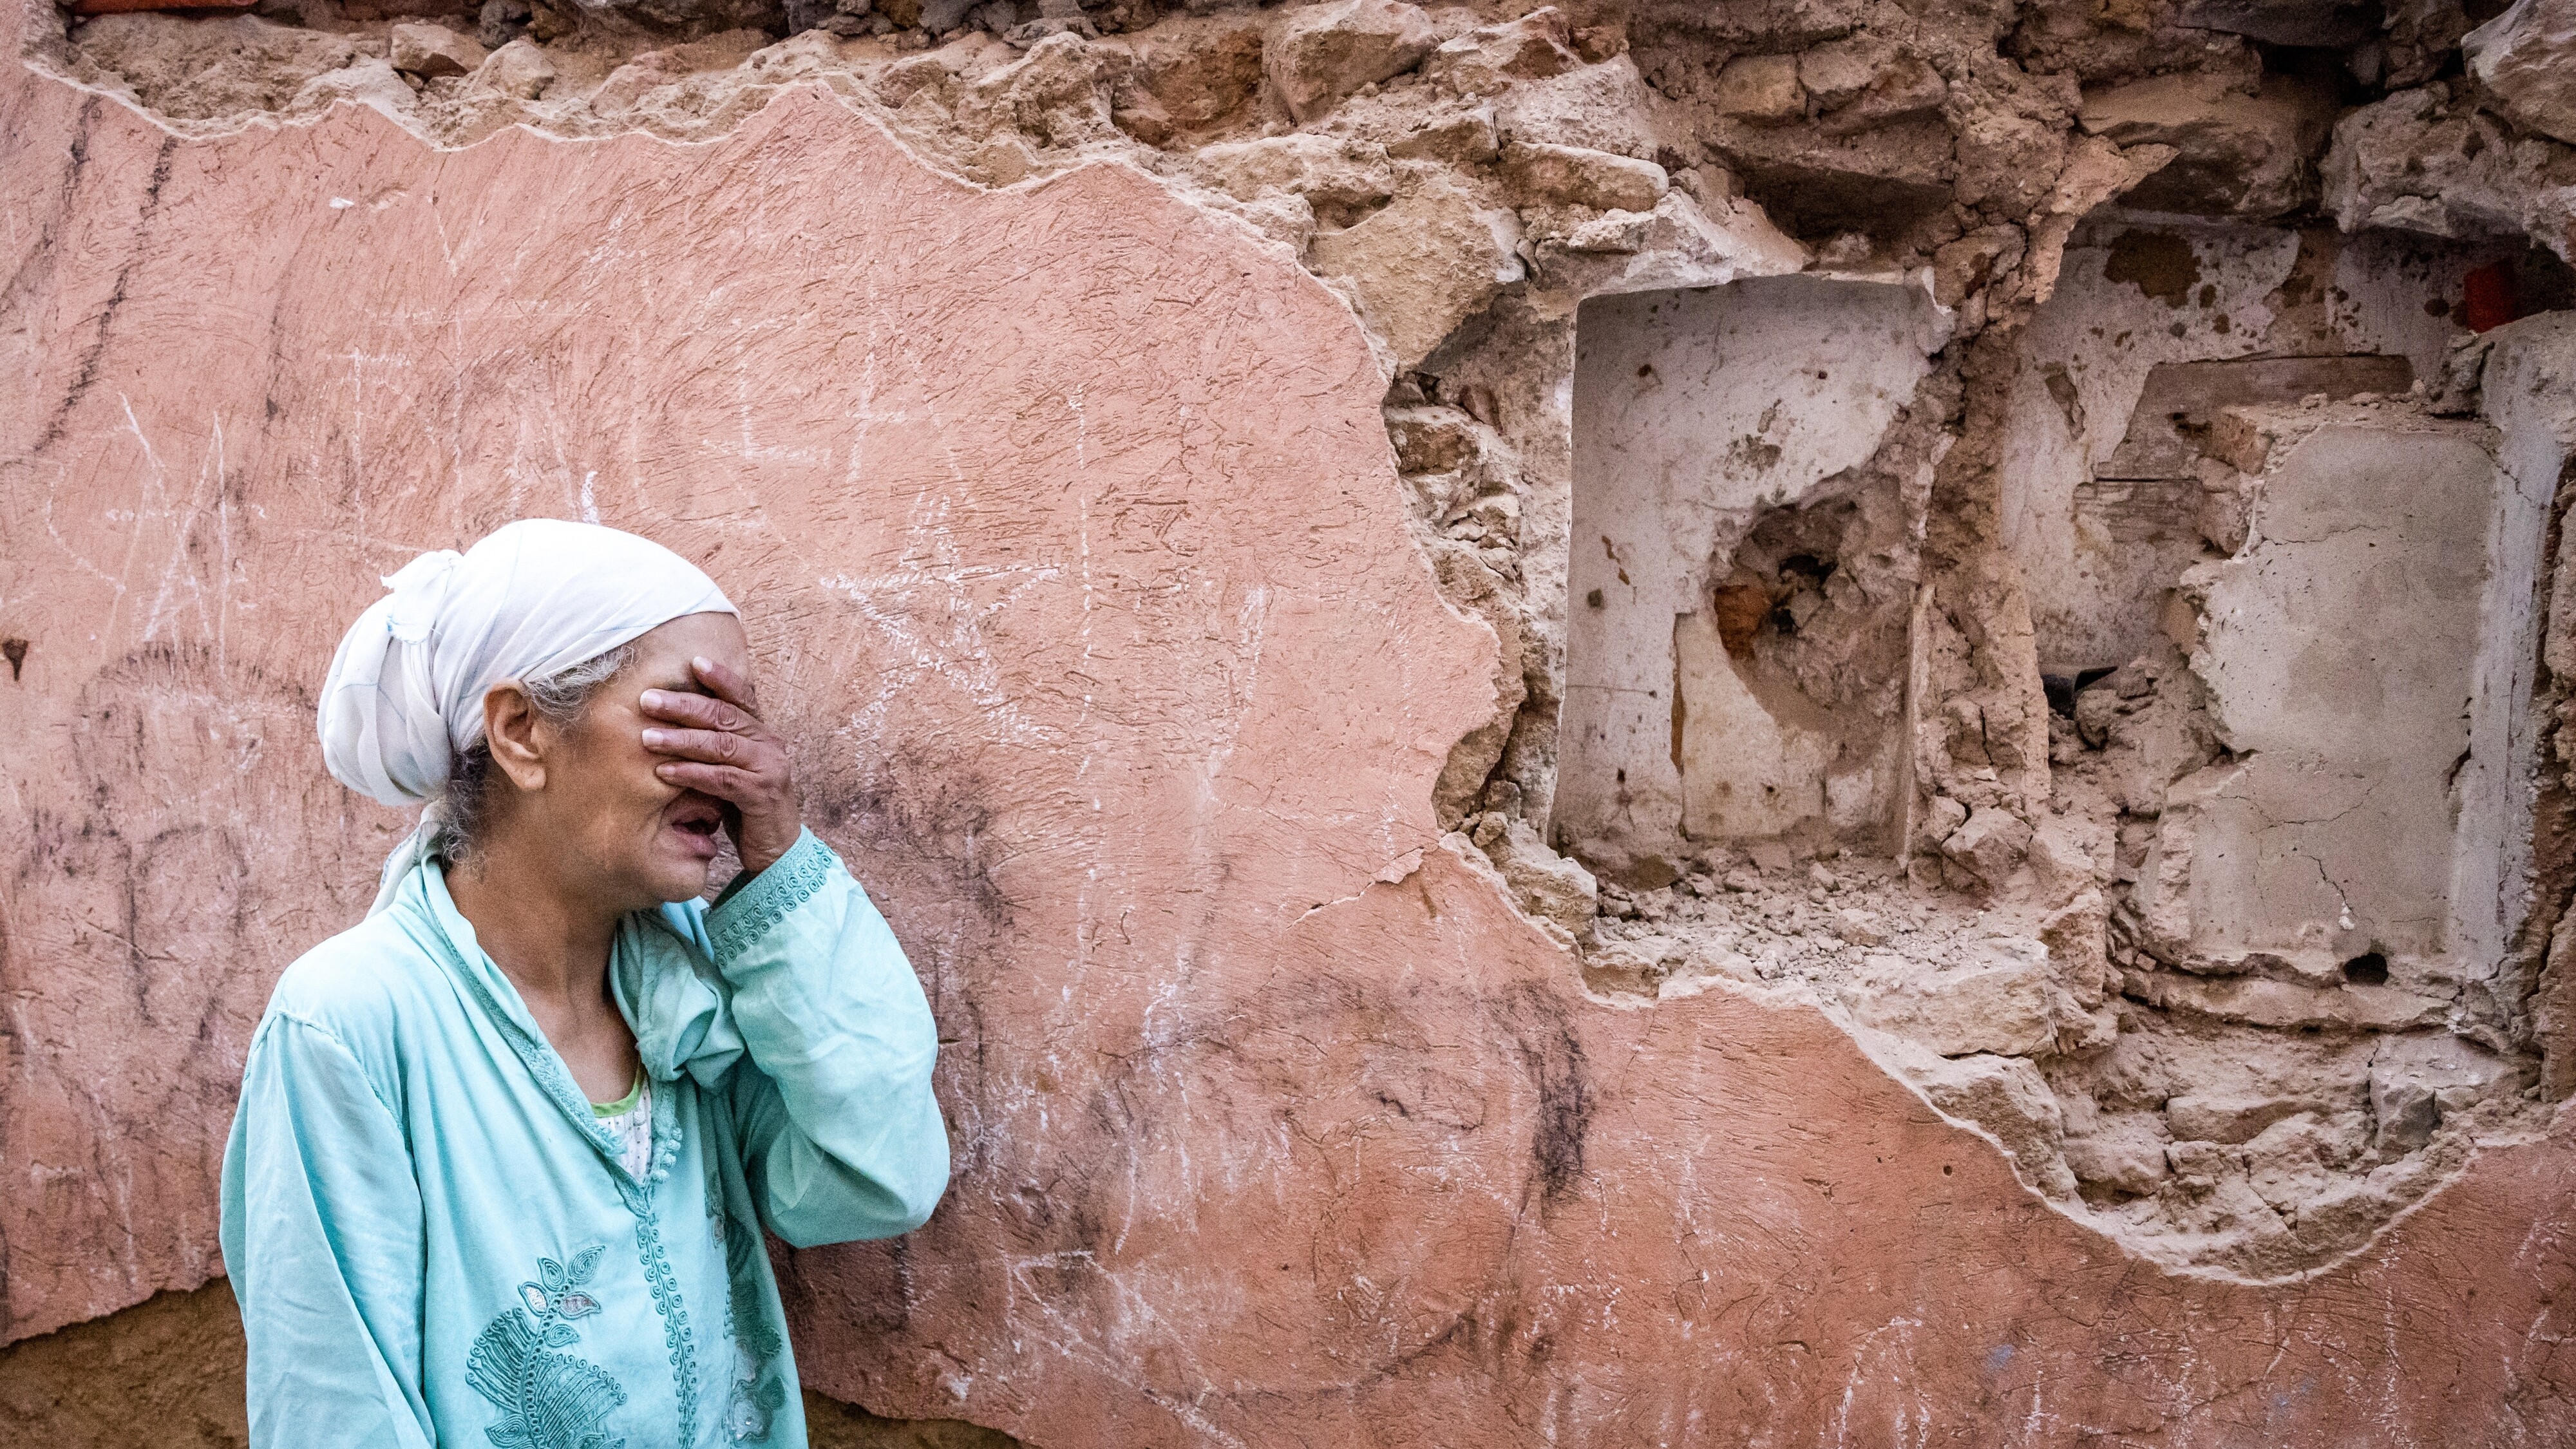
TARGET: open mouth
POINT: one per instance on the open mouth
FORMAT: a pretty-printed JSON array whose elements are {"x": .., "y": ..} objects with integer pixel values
[{"x": 700, "y": 818}]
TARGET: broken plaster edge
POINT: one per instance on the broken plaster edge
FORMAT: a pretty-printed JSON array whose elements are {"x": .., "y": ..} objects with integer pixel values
[{"x": 1872, "y": 1044}]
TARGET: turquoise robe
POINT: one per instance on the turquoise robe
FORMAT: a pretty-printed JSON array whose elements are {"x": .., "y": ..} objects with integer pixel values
[{"x": 431, "y": 1237}]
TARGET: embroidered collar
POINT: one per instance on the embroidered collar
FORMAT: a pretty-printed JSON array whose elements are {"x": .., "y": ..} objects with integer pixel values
[{"x": 677, "y": 1007}]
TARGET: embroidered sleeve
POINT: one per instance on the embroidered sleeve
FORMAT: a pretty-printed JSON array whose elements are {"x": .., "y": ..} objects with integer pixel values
[
  {"x": 747, "y": 911},
  {"x": 841, "y": 1137}
]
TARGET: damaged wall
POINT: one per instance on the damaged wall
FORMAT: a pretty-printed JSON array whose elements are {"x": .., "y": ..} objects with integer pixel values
[
  {"x": 1177, "y": 448},
  {"x": 1696, "y": 414}
]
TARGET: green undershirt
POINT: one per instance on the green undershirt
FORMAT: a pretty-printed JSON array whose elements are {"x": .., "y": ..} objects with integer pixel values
[{"x": 622, "y": 1104}]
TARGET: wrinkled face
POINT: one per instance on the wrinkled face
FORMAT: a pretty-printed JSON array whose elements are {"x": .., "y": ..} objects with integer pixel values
[{"x": 625, "y": 834}]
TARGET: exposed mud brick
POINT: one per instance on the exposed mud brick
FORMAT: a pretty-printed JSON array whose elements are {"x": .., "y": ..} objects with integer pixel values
[
  {"x": 1490, "y": 59},
  {"x": 1774, "y": 25},
  {"x": 1553, "y": 888},
  {"x": 2229, "y": 1118},
  {"x": 2527, "y": 57},
  {"x": 2124, "y": 1152},
  {"x": 129, "y": 7},
  {"x": 1324, "y": 52},
  {"x": 1602, "y": 107},
  {"x": 1460, "y": 138},
  {"x": 2120, "y": 41},
  {"x": 2287, "y": 1003},
  {"x": 367, "y": 81},
  {"x": 2461, "y": 1075},
  {"x": 2302, "y": 23},
  {"x": 1968, "y": 264},
  {"x": 1432, "y": 439},
  {"x": 2421, "y": 162},
  {"x": 1888, "y": 182},
  {"x": 193, "y": 68},
  {"x": 2173, "y": 426},
  {"x": 1327, "y": 172},
  {"x": 1865, "y": 82},
  {"x": 1990, "y": 846},
  {"x": 2008, "y": 164},
  {"x": 1203, "y": 75},
  {"x": 1468, "y": 581},
  {"x": 2007, "y": 1097},
  {"x": 2240, "y": 438},
  {"x": 2403, "y": 1113}
]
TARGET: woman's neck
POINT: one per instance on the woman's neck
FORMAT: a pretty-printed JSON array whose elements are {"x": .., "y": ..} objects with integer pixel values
[{"x": 552, "y": 940}]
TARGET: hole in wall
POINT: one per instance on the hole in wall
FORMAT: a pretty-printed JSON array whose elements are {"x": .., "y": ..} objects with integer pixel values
[
  {"x": 1749, "y": 565},
  {"x": 2062, "y": 689},
  {"x": 1818, "y": 206}
]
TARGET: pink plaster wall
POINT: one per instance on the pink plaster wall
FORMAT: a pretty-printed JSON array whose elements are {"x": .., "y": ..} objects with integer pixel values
[{"x": 1073, "y": 553}]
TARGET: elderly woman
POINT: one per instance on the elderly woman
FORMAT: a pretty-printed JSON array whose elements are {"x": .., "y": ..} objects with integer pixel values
[{"x": 506, "y": 1149}]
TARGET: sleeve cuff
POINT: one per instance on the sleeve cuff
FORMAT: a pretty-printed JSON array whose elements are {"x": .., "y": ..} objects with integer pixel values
[{"x": 750, "y": 907}]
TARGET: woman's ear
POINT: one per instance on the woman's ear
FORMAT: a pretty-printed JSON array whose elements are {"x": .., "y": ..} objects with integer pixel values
[{"x": 512, "y": 729}]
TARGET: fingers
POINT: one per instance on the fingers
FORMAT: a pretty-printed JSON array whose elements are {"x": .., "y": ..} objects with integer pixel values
[
  {"x": 721, "y": 747},
  {"x": 726, "y": 752},
  {"x": 695, "y": 709},
  {"x": 741, "y": 787},
  {"x": 731, "y": 687}
]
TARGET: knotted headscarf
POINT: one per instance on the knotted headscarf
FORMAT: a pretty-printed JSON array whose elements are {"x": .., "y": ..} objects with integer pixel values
[{"x": 405, "y": 692}]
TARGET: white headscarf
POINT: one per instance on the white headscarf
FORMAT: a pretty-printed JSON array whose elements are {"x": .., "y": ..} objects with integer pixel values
[{"x": 405, "y": 692}]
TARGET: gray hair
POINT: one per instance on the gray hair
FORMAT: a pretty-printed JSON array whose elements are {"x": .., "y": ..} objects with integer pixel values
[{"x": 465, "y": 804}]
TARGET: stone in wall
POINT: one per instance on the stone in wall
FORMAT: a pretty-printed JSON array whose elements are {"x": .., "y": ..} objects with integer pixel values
[
  {"x": 2242, "y": 154},
  {"x": 2527, "y": 58},
  {"x": 2423, "y": 161}
]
